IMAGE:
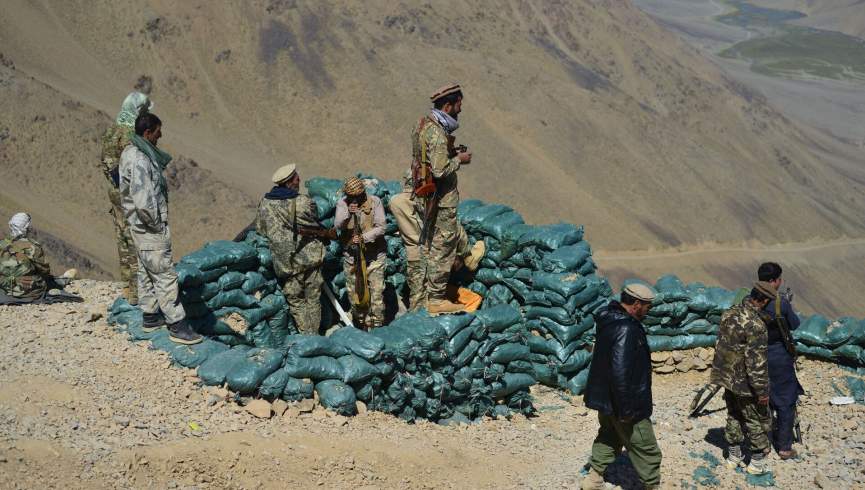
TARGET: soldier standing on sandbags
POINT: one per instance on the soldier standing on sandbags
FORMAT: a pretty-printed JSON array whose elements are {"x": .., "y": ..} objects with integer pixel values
[
  {"x": 359, "y": 208},
  {"x": 289, "y": 220},
  {"x": 619, "y": 387},
  {"x": 435, "y": 162},
  {"x": 409, "y": 219},
  {"x": 115, "y": 139},
  {"x": 741, "y": 367},
  {"x": 144, "y": 198}
]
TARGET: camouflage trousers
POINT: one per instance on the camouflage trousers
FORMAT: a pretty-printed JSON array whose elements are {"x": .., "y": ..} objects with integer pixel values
[
  {"x": 302, "y": 292},
  {"x": 157, "y": 280},
  {"x": 744, "y": 414},
  {"x": 125, "y": 249},
  {"x": 439, "y": 257},
  {"x": 372, "y": 315},
  {"x": 414, "y": 278}
]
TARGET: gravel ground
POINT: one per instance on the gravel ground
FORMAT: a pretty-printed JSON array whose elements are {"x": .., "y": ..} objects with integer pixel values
[{"x": 81, "y": 406}]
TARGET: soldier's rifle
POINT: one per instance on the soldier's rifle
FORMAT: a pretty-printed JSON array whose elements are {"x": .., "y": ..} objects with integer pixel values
[
  {"x": 346, "y": 320},
  {"x": 429, "y": 190},
  {"x": 699, "y": 402},
  {"x": 361, "y": 285}
]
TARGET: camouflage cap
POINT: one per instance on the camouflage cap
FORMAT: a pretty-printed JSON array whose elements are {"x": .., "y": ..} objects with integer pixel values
[
  {"x": 766, "y": 289},
  {"x": 353, "y": 187},
  {"x": 640, "y": 292},
  {"x": 284, "y": 173},
  {"x": 445, "y": 91}
]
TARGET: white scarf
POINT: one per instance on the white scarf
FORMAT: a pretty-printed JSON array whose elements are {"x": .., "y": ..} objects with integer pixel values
[{"x": 447, "y": 122}]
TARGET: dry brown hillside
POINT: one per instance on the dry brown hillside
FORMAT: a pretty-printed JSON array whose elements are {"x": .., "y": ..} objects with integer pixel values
[{"x": 585, "y": 111}]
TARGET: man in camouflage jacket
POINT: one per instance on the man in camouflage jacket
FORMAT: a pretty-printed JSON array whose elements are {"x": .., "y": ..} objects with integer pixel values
[
  {"x": 24, "y": 272},
  {"x": 740, "y": 366},
  {"x": 433, "y": 149},
  {"x": 289, "y": 220},
  {"x": 114, "y": 141}
]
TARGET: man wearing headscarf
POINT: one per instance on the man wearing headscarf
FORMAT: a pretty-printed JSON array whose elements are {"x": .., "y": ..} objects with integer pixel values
[
  {"x": 360, "y": 220},
  {"x": 115, "y": 139},
  {"x": 24, "y": 273}
]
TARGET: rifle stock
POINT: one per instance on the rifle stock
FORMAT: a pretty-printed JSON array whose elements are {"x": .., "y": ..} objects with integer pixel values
[{"x": 361, "y": 286}]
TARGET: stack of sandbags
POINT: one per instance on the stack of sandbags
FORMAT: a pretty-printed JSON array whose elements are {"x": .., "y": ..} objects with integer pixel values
[
  {"x": 682, "y": 361},
  {"x": 842, "y": 340},
  {"x": 229, "y": 292}
]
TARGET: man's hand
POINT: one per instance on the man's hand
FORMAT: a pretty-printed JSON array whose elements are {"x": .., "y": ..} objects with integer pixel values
[
  {"x": 353, "y": 208},
  {"x": 355, "y": 239},
  {"x": 465, "y": 157},
  {"x": 763, "y": 400}
]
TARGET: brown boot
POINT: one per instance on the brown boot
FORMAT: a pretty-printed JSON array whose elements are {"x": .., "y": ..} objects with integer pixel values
[
  {"x": 475, "y": 255},
  {"x": 592, "y": 481},
  {"x": 444, "y": 307}
]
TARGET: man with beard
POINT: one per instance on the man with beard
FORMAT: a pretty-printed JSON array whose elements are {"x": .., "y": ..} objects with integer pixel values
[{"x": 435, "y": 162}]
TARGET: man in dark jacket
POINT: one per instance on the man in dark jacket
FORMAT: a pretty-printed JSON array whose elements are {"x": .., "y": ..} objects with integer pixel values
[{"x": 620, "y": 389}]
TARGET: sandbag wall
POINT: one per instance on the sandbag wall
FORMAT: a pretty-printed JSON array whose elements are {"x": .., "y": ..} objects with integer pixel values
[{"x": 841, "y": 340}]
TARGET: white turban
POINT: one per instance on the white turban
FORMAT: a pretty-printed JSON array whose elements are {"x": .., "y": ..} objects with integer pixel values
[{"x": 19, "y": 225}]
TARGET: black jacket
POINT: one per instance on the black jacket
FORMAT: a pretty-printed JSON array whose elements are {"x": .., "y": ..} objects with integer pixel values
[{"x": 620, "y": 376}]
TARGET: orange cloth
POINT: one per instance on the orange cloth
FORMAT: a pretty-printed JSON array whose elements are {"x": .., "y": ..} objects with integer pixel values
[{"x": 463, "y": 296}]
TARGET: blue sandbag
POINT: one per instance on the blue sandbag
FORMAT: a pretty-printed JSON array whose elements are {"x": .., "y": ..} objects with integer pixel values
[
  {"x": 337, "y": 396},
  {"x": 297, "y": 389},
  {"x": 231, "y": 280},
  {"x": 223, "y": 253},
  {"x": 498, "y": 225},
  {"x": 356, "y": 370},
  {"x": 812, "y": 331},
  {"x": 192, "y": 356},
  {"x": 567, "y": 259},
  {"x": 552, "y": 237},
  {"x": 513, "y": 382},
  {"x": 274, "y": 385},
  {"x": 315, "y": 368},
  {"x": 359, "y": 343},
  {"x": 313, "y": 346},
  {"x": 565, "y": 284},
  {"x": 577, "y": 384},
  {"x": 213, "y": 371},
  {"x": 246, "y": 376},
  {"x": 498, "y": 318}
]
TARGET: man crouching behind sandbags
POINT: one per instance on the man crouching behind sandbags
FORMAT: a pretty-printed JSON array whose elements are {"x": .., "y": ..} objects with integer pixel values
[
  {"x": 619, "y": 387},
  {"x": 741, "y": 367},
  {"x": 289, "y": 220}
]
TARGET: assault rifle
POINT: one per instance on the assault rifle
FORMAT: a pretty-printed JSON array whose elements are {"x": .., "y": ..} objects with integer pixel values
[{"x": 361, "y": 286}]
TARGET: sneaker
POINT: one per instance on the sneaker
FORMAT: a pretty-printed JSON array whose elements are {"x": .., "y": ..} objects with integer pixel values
[
  {"x": 153, "y": 322},
  {"x": 444, "y": 307},
  {"x": 182, "y": 333},
  {"x": 592, "y": 481},
  {"x": 734, "y": 458},
  {"x": 791, "y": 454},
  {"x": 758, "y": 465},
  {"x": 475, "y": 255}
]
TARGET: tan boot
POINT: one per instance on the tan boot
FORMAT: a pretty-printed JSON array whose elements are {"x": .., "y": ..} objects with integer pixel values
[
  {"x": 592, "y": 481},
  {"x": 444, "y": 307},
  {"x": 475, "y": 255},
  {"x": 70, "y": 274}
]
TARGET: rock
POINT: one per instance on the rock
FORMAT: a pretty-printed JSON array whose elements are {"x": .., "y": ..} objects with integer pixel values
[
  {"x": 678, "y": 355},
  {"x": 660, "y": 356},
  {"x": 685, "y": 365},
  {"x": 121, "y": 421},
  {"x": 666, "y": 369},
  {"x": 361, "y": 407},
  {"x": 306, "y": 406},
  {"x": 699, "y": 364},
  {"x": 291, "y": 413},
  {"x": 259, "y": 408},
  {"x": 703, "y": 353},
  {"x": 94, "y": 315},
  {"x": 279, "y": 407}
]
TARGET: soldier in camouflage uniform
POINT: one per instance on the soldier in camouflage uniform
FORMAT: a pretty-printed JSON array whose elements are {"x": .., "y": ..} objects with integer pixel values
[
  {"x": 289, "y": 220},
  {"x": 115, "y": 139},
  {"x": 405, "y": 208},
  {"x": 740, "y": 366},
  {"x": 433, "y": 149},
  {"x": 24, "y": 272},
  {"x": 369, "y": 213}
]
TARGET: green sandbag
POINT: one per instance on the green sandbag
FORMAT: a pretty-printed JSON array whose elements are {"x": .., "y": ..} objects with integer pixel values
[
  {"x": 595, "y": 287},
  {"x": 266, "y": 335},
  {"x": 540, "y": 298},
  {"x": 221, "y": 253},
  {"x": 313, "y": 346},
  {"x": 513, "y": 382},
  {"x": 565, "y": 284},
  {"x": 467, "y": 354},
  {"x": 659, "y": 343},
  {"x": 498, "y": 225},
  {"x": 329, "y": 189},
  {"x": 274, "y": 385},
  {"x": 840, "y": 331},
  {"x": 297, "y": 389},
  {"x": 498, "y": 295},
  {"x": 235, "y": 298},
  {"x": 552, "y": 237},
  {"x": 231, "y": 280},
  {"x": 246, "y": 376},
  {"x": 188, "y": 275},
  {"x": 519, "y": 288},
  {"x": 196, "y": 309},
  {"x": 213, "y": 275},
  {"x": 459, "y": 342},
  {"x": 670, "y": 289},
  {"x": 213, "y": 371},
  {"x": 324, "y": 207},
  {"x": 453, "y": 324},
  {"x": 700, "y": 303},
  {"x": 588, "y": 267},
  {"x": 576, "y": 362},
  {"x": 315, "y": 368},
  {"x": 546, "y": 373},
  {"x": 850, "y": 353},
  {"x": 396, "y": 340},
  {"x": 577, "y": 384},
  {"x": 192, "y": 356},
  {"x": 356, "y": 370},
  {"x": 567, "y": 259},
  {"x": 520, "y": 366},
  {"x": 498, "y": 318},
  {"x": 367, "y": 390},
  {"x": 506, "y": 353},
  {"x": 555, "y": 313},
  {"x": 510, "y": 239},
  {"x": 815, "y": 351},
  {"x": 475, "y": 217},
  {"x": 812, "y": 331},
  {"x": 540, "y": 345},
  {"x": 253, "y": 281},
  {"x": 700, "y": 326},
  {"x": 566, "y": 333},
  {"x": 200, "y": 293},
  {"x": 265, "y": 258},
  {"x": 359, "y": 343},
  {"x": 467, "y": 205},
  {"x": 335, "y": 395},
  {"x": 426, "y": 331},
  {"x": 489, "y": 276}
]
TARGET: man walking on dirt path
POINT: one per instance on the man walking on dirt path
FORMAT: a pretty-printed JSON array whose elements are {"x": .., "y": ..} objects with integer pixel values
[
  {"x": 289, "y": 220},
  {"x": 144, "y": 198},
  {"x": 114, "y": 141},
  {"x": 740, "y": 367},
  {"x": 435, "y": 162},
  {"x": 619, "y": 387}
]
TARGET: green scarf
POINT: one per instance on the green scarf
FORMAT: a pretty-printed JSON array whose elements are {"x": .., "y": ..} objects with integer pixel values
[{"x": 157, "y": 156}]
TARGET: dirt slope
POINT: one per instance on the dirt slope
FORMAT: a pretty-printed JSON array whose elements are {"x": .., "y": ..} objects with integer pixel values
[{"x": 583, "y": 111}]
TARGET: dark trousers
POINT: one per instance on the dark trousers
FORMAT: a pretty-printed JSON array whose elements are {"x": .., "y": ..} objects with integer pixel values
[{"x": 785, "y": 419}]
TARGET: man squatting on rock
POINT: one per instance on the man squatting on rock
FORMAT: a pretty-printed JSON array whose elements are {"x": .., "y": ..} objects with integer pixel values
[
  {"x": 740, "y": 367},
  {"x": 619, "y": 387},
  {"x": 144, "y": 198}
]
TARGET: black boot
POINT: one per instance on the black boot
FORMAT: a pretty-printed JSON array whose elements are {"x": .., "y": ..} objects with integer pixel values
[
  {"x": 182, "y": 333},
  {"x": 153, "y": 321}
]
